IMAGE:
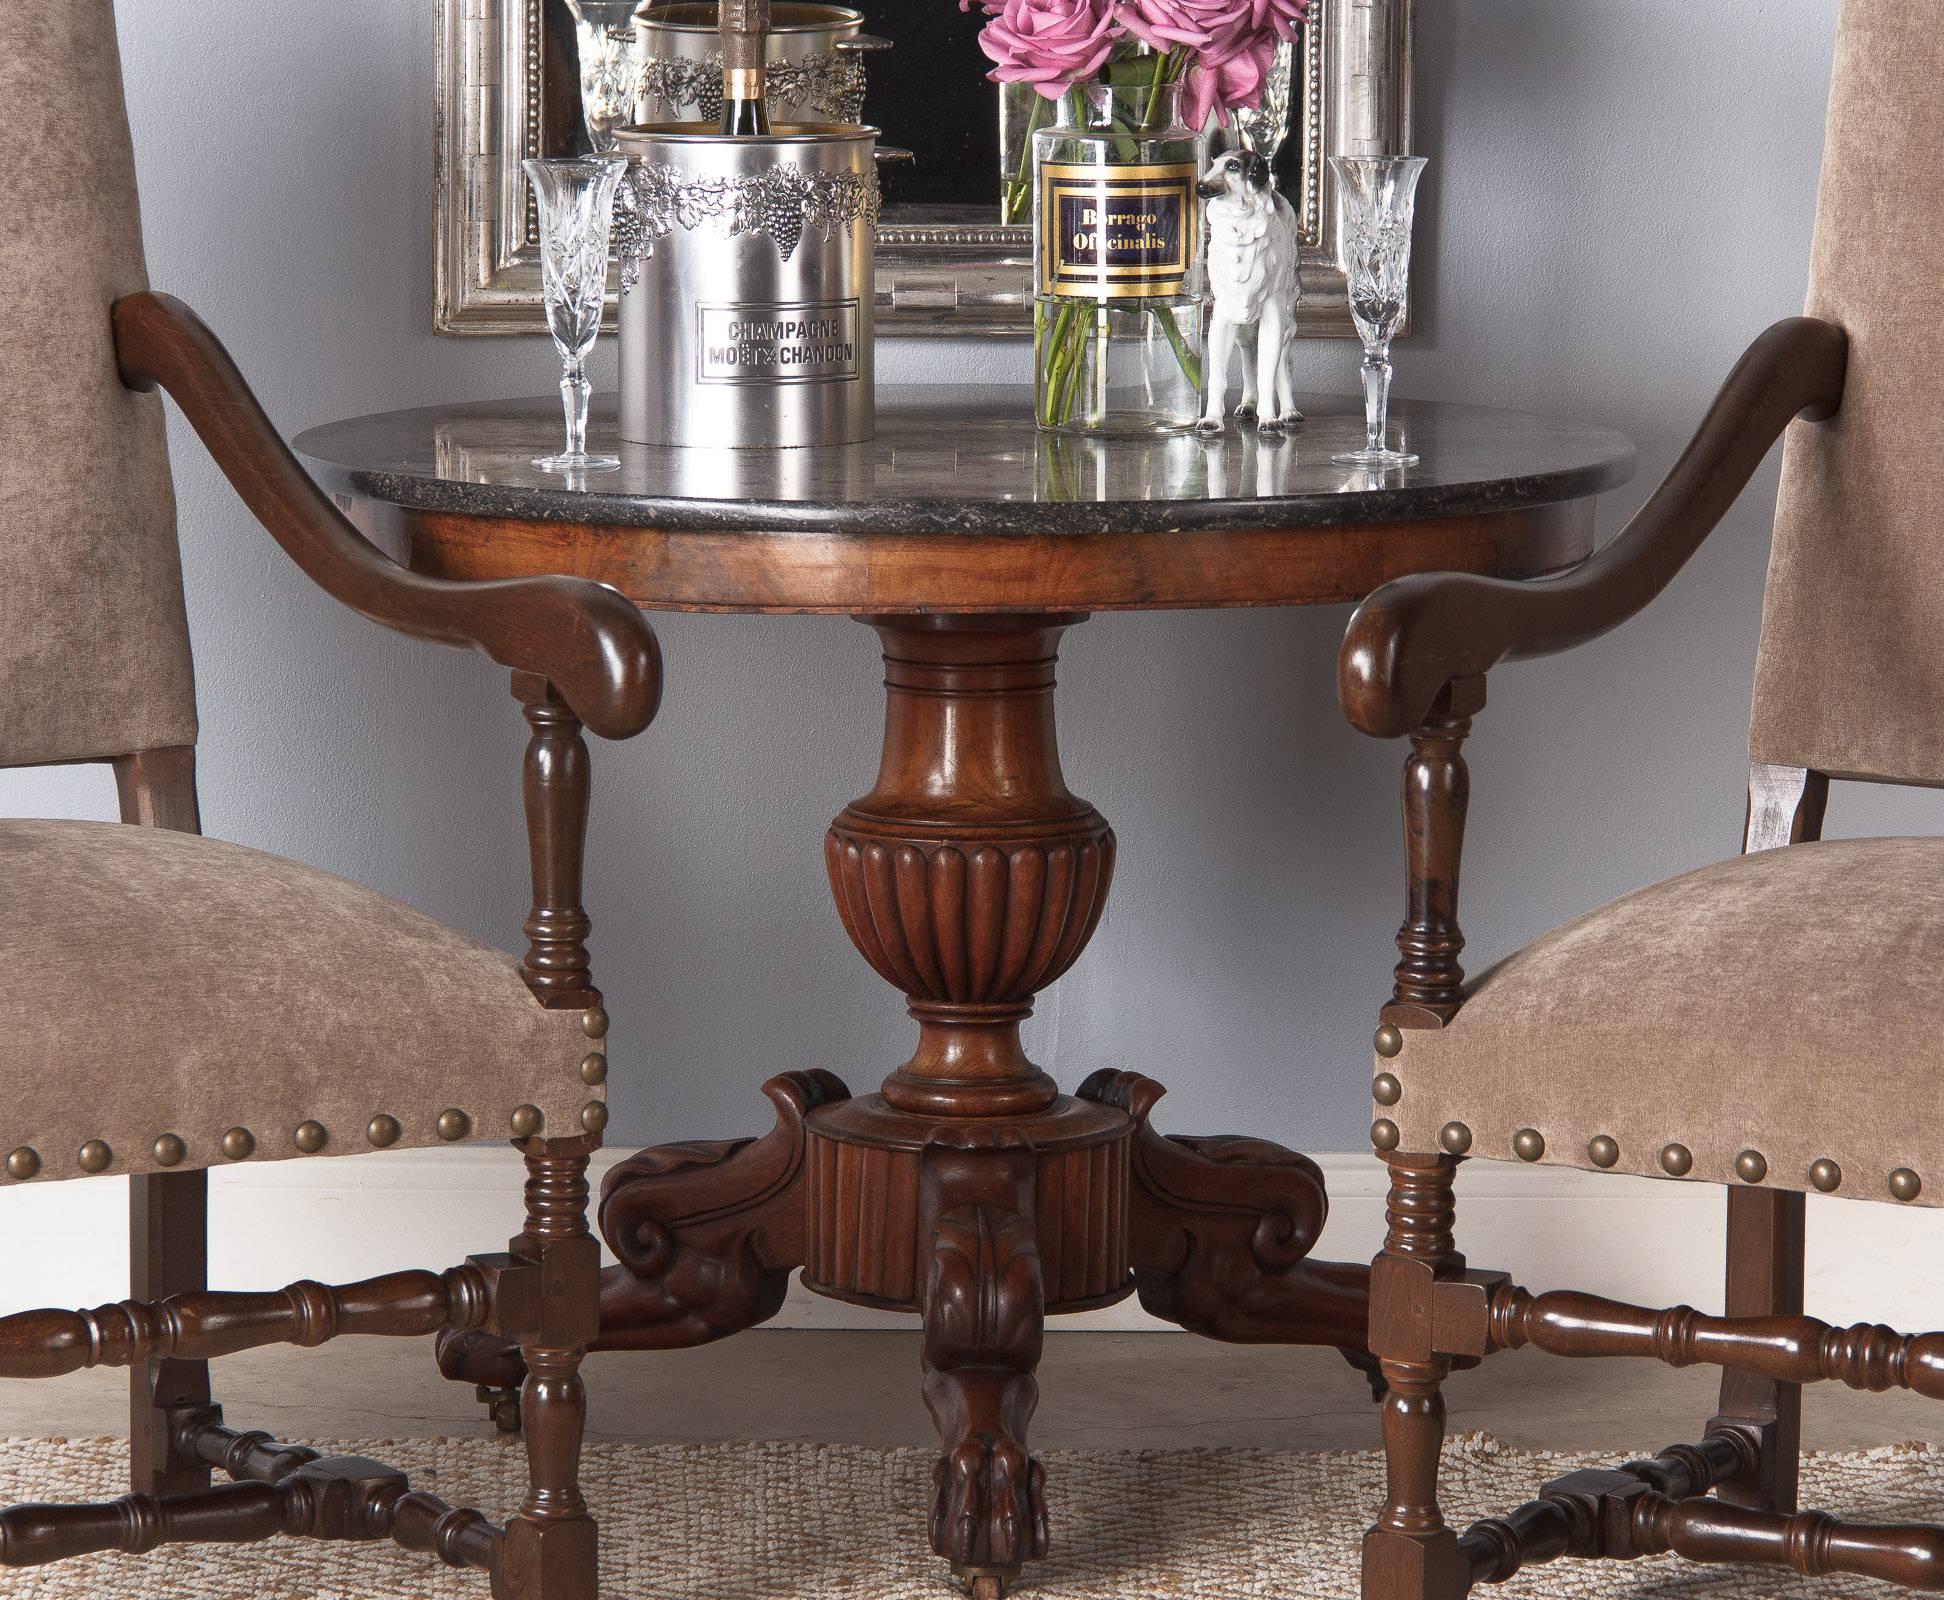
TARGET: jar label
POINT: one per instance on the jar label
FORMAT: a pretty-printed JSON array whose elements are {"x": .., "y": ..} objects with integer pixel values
[
  {"x": 1117, "y": 233},
  {"x": 799, "y": 341}
]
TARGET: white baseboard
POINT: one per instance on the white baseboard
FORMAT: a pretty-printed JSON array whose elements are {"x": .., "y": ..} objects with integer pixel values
[{"x": 1635, "y": 1239}]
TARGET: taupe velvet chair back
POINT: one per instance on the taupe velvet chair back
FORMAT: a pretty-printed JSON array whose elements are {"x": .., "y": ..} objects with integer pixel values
[
  {"x": 94, "y": 645},
  {"x": 1850, "y": 678}
]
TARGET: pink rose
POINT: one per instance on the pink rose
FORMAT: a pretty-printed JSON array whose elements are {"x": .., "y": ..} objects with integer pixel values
[
  {"x": 1284, "y": 15},
  {"x": 1205, "y": 24},
  {"x": 1050, "y": 44},
  {"x": 1227, "y": 78},
  {"x": 1229, "y": 74},
  {"x": 1231, "y": 45}
]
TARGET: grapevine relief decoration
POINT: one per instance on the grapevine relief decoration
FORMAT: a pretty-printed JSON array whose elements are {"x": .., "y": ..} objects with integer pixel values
[
  {"x": 780, "y": 204},
  {"x": 830, "y": 85}
]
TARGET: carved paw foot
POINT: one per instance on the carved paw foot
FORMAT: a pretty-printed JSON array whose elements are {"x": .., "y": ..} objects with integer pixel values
[
  {"x": 1372, "y": 1370},
  {"x": 492, "y": 1365},
  {"x": 1209, "y": 427},
  {"x": 988, "y": 1505},
  {"x": 475, "y": 1356},
  {"x": 984, "y": 1307},
  {"x": 1245, "y": 411}
]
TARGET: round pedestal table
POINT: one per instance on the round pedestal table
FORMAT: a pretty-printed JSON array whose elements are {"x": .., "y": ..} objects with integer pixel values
[{"x": 968, "y": 1189}]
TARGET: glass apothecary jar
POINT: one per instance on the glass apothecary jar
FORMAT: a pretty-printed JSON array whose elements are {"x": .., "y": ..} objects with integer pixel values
[{"x": 1117, "y": 247}]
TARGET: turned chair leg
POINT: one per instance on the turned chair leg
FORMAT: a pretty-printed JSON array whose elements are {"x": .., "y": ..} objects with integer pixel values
[
  {"x": 1410, "y": 1554},
  {"x": 168, "y": 1254},
  {"x": 1765, "y": 1251},
  {"x": 549, "y": 1551}
]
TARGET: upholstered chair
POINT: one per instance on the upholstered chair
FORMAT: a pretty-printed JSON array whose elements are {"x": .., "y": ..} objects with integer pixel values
[
  {"x": 174, "y": 1003},
  {"x": 1757, "y": 1024}
]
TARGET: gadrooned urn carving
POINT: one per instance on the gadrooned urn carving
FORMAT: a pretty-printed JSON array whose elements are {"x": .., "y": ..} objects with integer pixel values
[{"x": 971, "y": 925}]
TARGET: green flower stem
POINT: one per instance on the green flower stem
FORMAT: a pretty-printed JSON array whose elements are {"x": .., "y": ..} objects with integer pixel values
[
  {"x": 1055, "y": 355},
  {"x": 1018, "y": 198},
  {"x": 1190, "y": 367}
]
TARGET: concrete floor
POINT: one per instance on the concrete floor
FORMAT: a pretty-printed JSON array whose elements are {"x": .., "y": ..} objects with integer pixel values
[{"x": 1098, "y": 1391}]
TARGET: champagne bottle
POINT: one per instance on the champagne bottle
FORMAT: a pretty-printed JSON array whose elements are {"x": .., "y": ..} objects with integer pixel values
[{"x": 745, "y": 52}]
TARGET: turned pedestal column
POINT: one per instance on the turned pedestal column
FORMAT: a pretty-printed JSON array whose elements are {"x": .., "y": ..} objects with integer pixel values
[{"x": 968, "y": 1188}]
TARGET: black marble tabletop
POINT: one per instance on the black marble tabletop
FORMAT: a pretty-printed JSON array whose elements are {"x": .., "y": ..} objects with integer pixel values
[{"x": 970, "y": 458}]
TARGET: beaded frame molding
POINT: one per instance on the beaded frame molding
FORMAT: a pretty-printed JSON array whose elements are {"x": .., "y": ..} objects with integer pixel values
[{"x": 965, "y": 276}]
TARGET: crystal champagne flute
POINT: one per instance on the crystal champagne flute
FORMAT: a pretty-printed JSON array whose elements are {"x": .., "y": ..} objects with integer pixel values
[
  {"x": 1379, "y": 196},
  {"x": 576, "y": 202},
  {"x": 610, "y": 65}
]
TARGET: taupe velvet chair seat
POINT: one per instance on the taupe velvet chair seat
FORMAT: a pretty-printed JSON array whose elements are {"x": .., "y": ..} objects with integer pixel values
[
  {"x": 160, "y": 983},
  {"x": 1782, "y": 1002}
]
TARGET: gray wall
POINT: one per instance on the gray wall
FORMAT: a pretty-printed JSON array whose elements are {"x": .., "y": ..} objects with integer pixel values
[{"x": 1621, "y": 196}]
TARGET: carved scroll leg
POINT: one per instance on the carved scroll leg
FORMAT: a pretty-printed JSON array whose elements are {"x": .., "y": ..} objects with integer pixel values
[
  {"x": 549, "y": 1548},
  {"x": 707, "y": 1234},
  {"x": 1410, "y": 1554},
  {"x": 1765, "y": 1249},
  {"x": 168, "y": 1231},
  {"x": 1220, "y": 1231},
  {"x": 983, "y": 1302}
]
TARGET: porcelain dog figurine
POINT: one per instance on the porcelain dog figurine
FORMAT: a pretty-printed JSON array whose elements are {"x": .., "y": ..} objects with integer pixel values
[{"x": 1252, "y": 270}]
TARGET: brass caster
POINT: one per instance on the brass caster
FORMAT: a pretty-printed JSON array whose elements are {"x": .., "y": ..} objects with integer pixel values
[{"x": 502, "y": 1405}]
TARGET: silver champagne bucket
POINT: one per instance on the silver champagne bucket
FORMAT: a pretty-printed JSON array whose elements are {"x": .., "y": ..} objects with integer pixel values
[
  {"x": 747, "y": 285},
  {"x": 815, "y": 55}
]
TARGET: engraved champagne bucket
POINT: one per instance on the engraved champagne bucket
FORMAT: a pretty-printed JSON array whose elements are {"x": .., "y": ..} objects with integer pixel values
[
  {"x": 815, "y": 55},
  {"x": 747, "y": 286}
]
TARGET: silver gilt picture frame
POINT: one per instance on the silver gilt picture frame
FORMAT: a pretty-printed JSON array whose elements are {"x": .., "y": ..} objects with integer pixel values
[{"x": 506, "y": 93}]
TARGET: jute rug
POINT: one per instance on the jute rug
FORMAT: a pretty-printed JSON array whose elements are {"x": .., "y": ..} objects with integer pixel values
[{"x": 838, "y": 1522}]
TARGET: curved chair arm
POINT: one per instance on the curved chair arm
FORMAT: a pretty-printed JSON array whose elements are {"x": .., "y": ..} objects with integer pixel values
[
  {"x": 585, "y": 638},
  {"x": 1415, "y": 636}
]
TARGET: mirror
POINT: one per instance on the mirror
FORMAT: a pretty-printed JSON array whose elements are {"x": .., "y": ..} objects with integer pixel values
[{"x": 509, "y": 76}]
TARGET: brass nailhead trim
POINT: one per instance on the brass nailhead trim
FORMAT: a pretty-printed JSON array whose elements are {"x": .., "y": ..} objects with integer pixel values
[
  {"x": 1826, "y": 1175},
  {"x": 595, "y": 1023},
  {"x": 594, "y": 1116},
  {"x": 454, "y": 1125},
  {"x": 1455, "y": 1137},
  {"x": 594, "y": 1069},
  {"x": 1384, "y": 1134},
  {"x": 526, "y": 1121},
  {"x": 1905, "y": 1185},
  {"x": 1389, "y": 1040},
  {"x": 1528, "y": 1144},
  {"x": 1603, "y": 1150},
  {"x": 168, "y": 1151},
  {"x": 383, "y": 1131},
  {"x": 1751, "y": 1166},
  {"x": 23, "y": 1164},
  {"x": 96, "y": 1156},
  {"x": 1386, "y": 1090},
  {"x": 1676, "y": 1160},
  {"x": 239, "y": 1144},
  {"x": 310, "y": 1137}
]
